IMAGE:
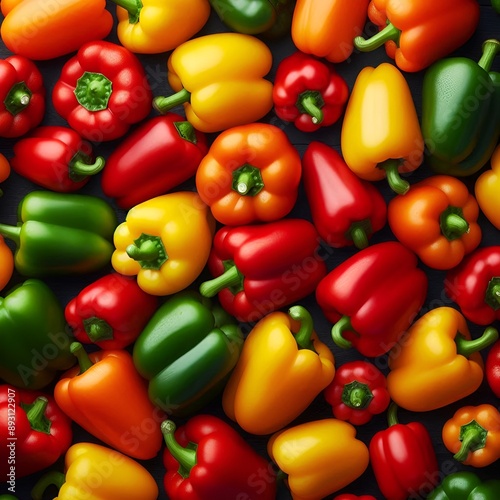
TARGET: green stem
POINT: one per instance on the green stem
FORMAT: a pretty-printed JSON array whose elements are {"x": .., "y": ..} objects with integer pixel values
[
  {"x": 80, "y": 169},
  {"x": 396, "y": 183},
  {"x": 356, "y": 395},
  {"x": 133, "y": 7},
  {"x": 303, "y": 336},
  {"x": 18, "y": 98},
  {"x": 358, "y": 232},
  {"x": 311, "y": 102},
  {"x": 467, "y": 347},
  {"x": 185, "y": 456},
  {"x": 83, "y": 359},
  {"x": 492, "y": 295},
  {"x": 11, "y": 232},
  {"x": 186, "y": 131},
  {"x": 149, "y": 251},
  {"x": 247, "y": 180},
  {"x": 97, "y": 329},
  {"x": 390, "y": 32},
  {"x": 163, "y": 104},
  {"x": 343, "y": 324},
  {"x": 392, "y": 414},
  {"x": 473, "y": 437},
  {"x": 490, "y": 50},
  {"x": 36, "y": 415},
  {"x": 452, "y": 223},
  {"x": 51, "y": 478},
  {"x": 230, "y": 277}
]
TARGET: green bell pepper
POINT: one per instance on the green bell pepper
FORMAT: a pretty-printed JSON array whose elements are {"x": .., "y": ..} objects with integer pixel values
[
  {"x": 466, "y": 486},
  {"x": 187, "y": 351},
  {"x": 460, "y": 112},
  {"x": 61, "y": 233},
  {"x": 496, "y": 5},
  {"x": 34, "y": 343}
]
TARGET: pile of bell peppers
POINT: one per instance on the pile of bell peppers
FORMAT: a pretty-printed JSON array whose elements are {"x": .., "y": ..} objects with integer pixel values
[{"x": 236, "y": 239}]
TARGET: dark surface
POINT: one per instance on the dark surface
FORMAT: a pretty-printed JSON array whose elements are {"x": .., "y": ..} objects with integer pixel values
[{"x": 66, "y": 288}]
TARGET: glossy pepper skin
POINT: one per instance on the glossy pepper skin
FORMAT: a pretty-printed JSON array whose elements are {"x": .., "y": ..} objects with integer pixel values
[
  {"x": 4, "y": 170},
  {"x": 159, "y": 155},
  {"x": 308, "y": 92},
  {"x": 437, "y": 219},
  {"x": 373, "y": 142},
  {"x": 6, "y": 264},
  {"x": 125, "y": 478},
  {"x": 486, "y": 189},
  {"x": 55, "y": 158},
  {"x": 492, "y": 368},
  {"x": 394, "y": 289},
  {"x": 102, "y": 91},
  {"x": 92, "y": 395},
  {"x": 473, "y": 435},
  {"x": 413, "y": 33},
  {"x": 207, "y": 458},
  {"x": 110, "y": 312},
  {"x": 61, "y": 233},
  {"x": 460, "y": 142},
  {"x": 281, "y": 352},
  {"x": 467, "y": 486},
  {"x": 289, "y": 267},
  {"x": 35, "y": 345},
  {"x": 164, "y": 241},
  {"x": 316, "y": 446},
  {"x": 345, "y": 209},
  {"x": 437, "y": 346},
  {"x": 403, "y": 458},
  {"x": 327, "y": 28},
  {"x": 250, "y": 174},
  {"x": 227, "y": 90},
  {"x": 187, "y": 351},
  {"x": 41, "y": 30},
  {"x": 152, "y": 26},
  {"x": 22, "y": 96}
]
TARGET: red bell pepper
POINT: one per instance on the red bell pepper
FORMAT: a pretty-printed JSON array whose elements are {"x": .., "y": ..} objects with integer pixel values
[
  {"x": 373, "y": 297},
  {"x": 403, "y": 459},
  {"x": 34, "y": 431},
  {"x": 492, "y": 368},
  {"x": 22, "y": 96},
  {"x": 475, "y": 285},
  {"x": 207, "y": 458},
  {"x": 159, "y": 155},
  {"x": 110, "y": 312},
  {"x": 55, "y": 158},
  {"x": 308, "y": 92},
  {"x": 358, "y": 391},
  {"x": 102, "y": 91},
  {"x": 261, "y": 268},
  {"x": 345, "y": 209}
]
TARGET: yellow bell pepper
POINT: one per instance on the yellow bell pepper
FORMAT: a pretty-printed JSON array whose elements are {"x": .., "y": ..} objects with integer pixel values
[
  {"x": 487, "y": 188},
  {"x": 96, "y": 472},
  {"x": 165, "y": 242},
  {"x": 381, "y": 134},
  {"x": 283, "y": 354},
  {"x": 154, "y": 26},
  {"x": 436, "y": 363},
  {"x": 219, "y": 78},
  {"x": 320, "y": 457}
]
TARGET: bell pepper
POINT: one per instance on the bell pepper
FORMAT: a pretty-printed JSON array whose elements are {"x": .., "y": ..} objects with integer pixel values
[
  {"x": 250, "y": 174},
  {"x": 467, "y": 486},
  {"x": 437, "y": 347},
  {"x": 22, "y": 96},
  {"x": 61, "y": 233},
  {"x": 437, "y": 219},
  {"x": 306, "y": 452},
  {"x": 152, "y": 26},
  {"x": 357, "y": 392},
  {"x": 4, "y": 170},
  {"x": 110, "y": 312},
  {"x": 461, "y": 137},
  {"x": 102, "y": 91},
  {"x": 6, "y": 263},
  {"x": 492, "y": 368},
  {"x": 473, "y": 435},
  {"x": 34, "y": 342},
  {"x": 394, "y": 289},
  {"x": 475, "y": 285},
  {"x": 327, "y": 28},
  {"x": 345, "y": 209},
  {"x": 95, "y": 471},
  {"x": 159, "y": 155},
  {"x": 374, "y": 143},
  {"x": 308, "y": 92},
  {"x": 34, "y": 431},
  {"x": 283, "y": 353},
  {"x": 486, "y": 188},
  {"x": 207, "y": 458},
  {"x": 413, "y": 33},
  {"x": 403, "y": 458},
  {"x": 165, "y": 241},
  {"x": 187, "y": 351},
  {"x": 496, "y": 5},
  {"x": 227, "y": 89},
  {"x": 289, "y": 267},
  {"x": 56, "y": 158},
  {"x": 92, "y": 395}
]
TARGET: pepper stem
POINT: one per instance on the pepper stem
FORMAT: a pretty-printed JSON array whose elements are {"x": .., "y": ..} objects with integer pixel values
[
  {"x": 83, "y": 358},
  {"x": 18, "y": 98},
  {"x": 453, "y": 224},
  {"x": 356, "y": 395},
  {"x": 304, "y": 336},
  {"x": 163, "y": 104},
  {"x": 473, "y": 437},
  {"x": 358, "y": 232},
  {"x": 390, "y": 32},
  {"x": 247, "y": 180},
  {"x": 185, "y": 456},
  {"x": 51, "y": 478},
  {"x": 149, "y": 251},
  {"x": 396, "y": 183},
  {"x": 97, "y": 329},
  {"x": 492, "y": 295},
  {"x": 35, "y": 413},
  {"x": 11, "y": 232},
  {"x": 133, "y": 7},
  {"x": 343, "y": 324},
  {"x": 79, "y": 169},
  {"x": 186, "y": 131},
  {"x": 311, "y": 102},
  {"x": 230, "y": 277},
  {"x": 467, "y": 347},
  {"x": 490, "y": 50}
]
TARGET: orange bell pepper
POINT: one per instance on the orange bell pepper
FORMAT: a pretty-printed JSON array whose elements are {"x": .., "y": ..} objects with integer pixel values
[
  {"x": 487, "y": 188},
  {"x": 4, "y": 169},
  {"x": 6, "y": 263},
  {"x": 92, "y": 395},
  {"x": 327, "y": 28},
  {"x": 437, "y": 219},
  {"x": 473, "y": 435}
]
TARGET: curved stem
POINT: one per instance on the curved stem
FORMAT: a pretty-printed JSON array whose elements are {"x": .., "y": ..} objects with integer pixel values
[
  {"x": 396, "y": 183},
  {"x": 163, "y": 104},
  {"x": 303, "y": 336},
  {"x": 11, "y": 232},
  {"x": 97, "y": 329},
  {"x": 231, "y": 277},
  {"x": 82, "y": 169},
  {"x": 467, "y": 347},
  {"x": 185, "y": 456},
  {"x": 83, "y": 359},
  {"x": 473, "y": 437},
  {"x": 311, "y": 102},
  {"x": 453, "y": 224},
  {"x": 490, "y": 50},
  {"x": 492, "y": 295},
  {"x": 51, "y": 478},
  {"x": 36, "y": 415},
  {"x": 356, "y": 395},
  {"x": 390, "y": 32},
  {"x": 133, "y": 7},
  {"x": 344, "y": 323},
  {"x": 392, "y": 414},
  {"x": 359, "y": 235}
]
